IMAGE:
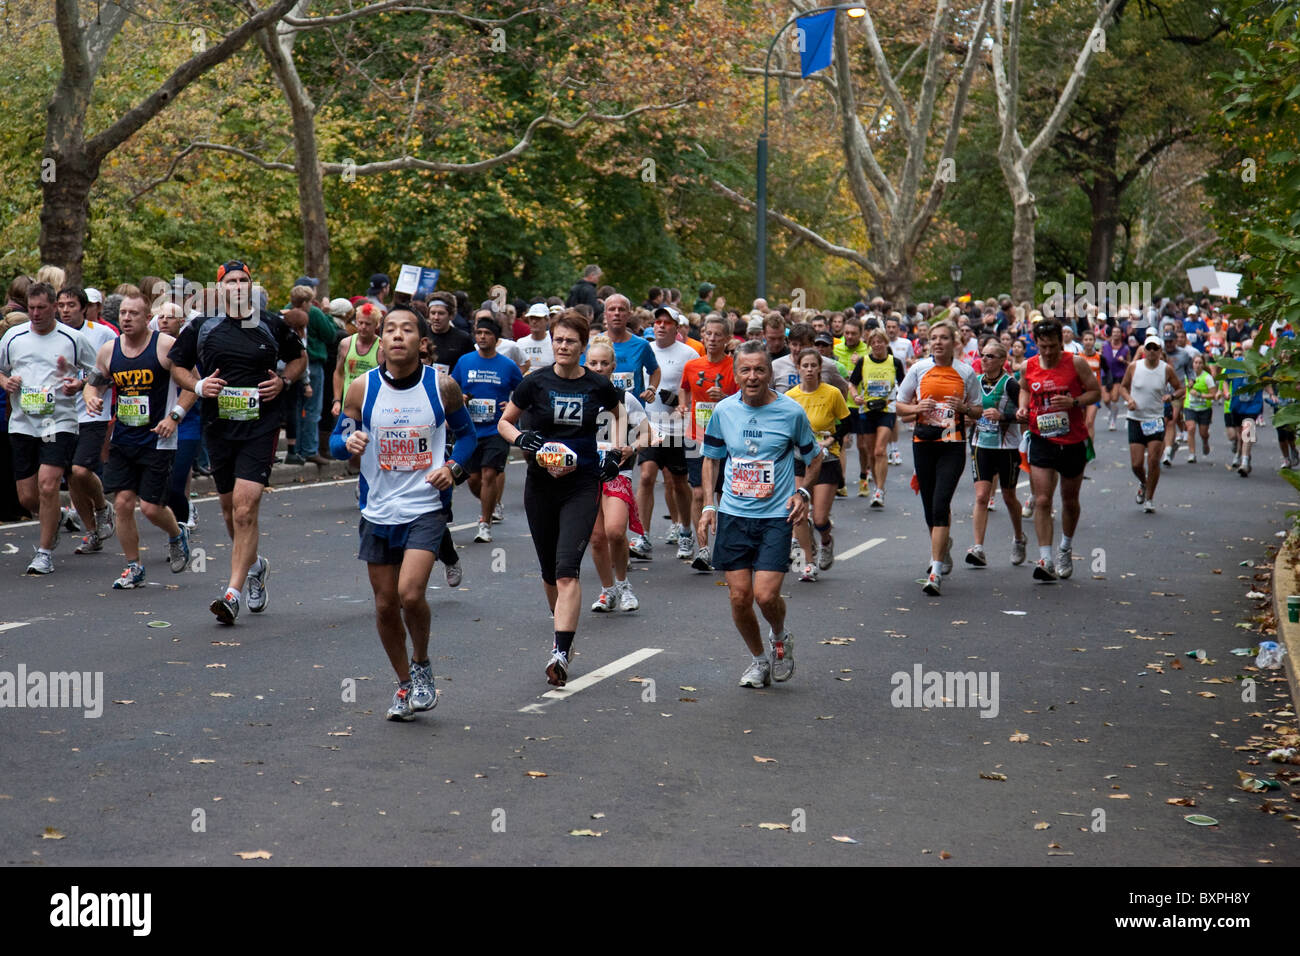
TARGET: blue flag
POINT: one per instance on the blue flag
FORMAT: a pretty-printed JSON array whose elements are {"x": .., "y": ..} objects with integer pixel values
[{"x": 816, "y": 32}]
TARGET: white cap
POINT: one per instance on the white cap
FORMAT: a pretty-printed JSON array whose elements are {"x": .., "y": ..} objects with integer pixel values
[
  {"x": 1154, "y": 336},
  {"x": 538, "y": 310},
  {"x": 1123, "y": 314},
  {"x": 1192, "y": 310},
  {"x": 1101, "y": 316},
  {"x": 94, "y": 295},
  {"x": 340, "y": 308}
]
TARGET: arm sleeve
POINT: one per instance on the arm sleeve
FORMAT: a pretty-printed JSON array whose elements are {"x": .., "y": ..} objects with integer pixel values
[
  {"x": 855, "y": 377},
  {"x": 462, "y": 427},
  {"x": 714, "y": 445},
  {"x": 343, "y": 427}
]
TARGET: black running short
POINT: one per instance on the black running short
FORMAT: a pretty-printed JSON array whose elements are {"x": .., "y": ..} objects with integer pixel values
[
  {"x": 90, "y": 446},
  {"x": 1135, "y": 436},
  {"x": 490, "y": 452},
  {"x": 31, "y": 452},
  {"x": 561, "y": 512},
  {"x": 387, "y": 543},
  {"x": 139, "y": 468},
  {"x": 1002, "y": 463},
  {"x": 1068, "y": 461},
  {"x": 832, "y": 473},
  {"x": 671, "y": 458},
  {"x": 250, "y": 459}
]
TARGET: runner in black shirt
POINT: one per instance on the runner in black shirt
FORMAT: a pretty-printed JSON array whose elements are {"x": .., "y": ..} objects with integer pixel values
[
  {"x": 449, "y": 342},
  {"x": 553, "y": 406},
  {"x": 237, "y": 351}
]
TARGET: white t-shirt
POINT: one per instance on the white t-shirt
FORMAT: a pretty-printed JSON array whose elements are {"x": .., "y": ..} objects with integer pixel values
[
  {"x": 35, "y": 359},
  {"x": 1074, "y": 347},
  {"x": 96, "y": 333},
  {"x": 970, "y": 351},
  {"x": 537, "y": 351},
  {"x": 671, "y": 362},
  {"x": 902, "y": 349},
  {"x": 510, "y": 349}
]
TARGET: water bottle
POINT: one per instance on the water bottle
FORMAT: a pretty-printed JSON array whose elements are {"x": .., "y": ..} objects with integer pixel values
[{"x": 1270, "y": 655}]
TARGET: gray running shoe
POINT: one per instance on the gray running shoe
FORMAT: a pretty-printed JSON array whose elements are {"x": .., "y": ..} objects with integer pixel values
[
  {"x": 640, "y": 547},
  {"x": 225, "y": 608},
  {"x": 498, "y": 513},
  {"x": 757, "y": 674},
  {"x": 947, "y": 559},
  {"x": 685, "y": 546},
  {"x": 1044, "y": 570},
  {"x": 626, "y": 599},
  {"x": 73, "y": 523},
  {"x": 90, "y": 544},
  {"x": 258, "y": 599},
  {"x": 106, "y": 522},
  {"x": 975, "y": 556},
  {"x": 826, "y": 554},
  {"x": 454, "y": 575},
  {"x": 178, "y": 551},
  {"x": 933, "y": 584},
  {"x": 423, "y": 694},
  {"x": 702, "y": 560},
  {"x": 557, "y": 670},
  {"x": 43, "y": 563},
  {"x": 401, "y": 709},
  {"x": 782, "y": 655},
  {"x": 1064, "y": 562},
  {"x": 605, "y": 601},
  {"x": 1018, "y": 551}
]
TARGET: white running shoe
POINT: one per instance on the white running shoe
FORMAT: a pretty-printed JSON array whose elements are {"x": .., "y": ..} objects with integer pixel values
[
  {"x": 604, "y": 601},
  {"x": 781, "y": 653},
  {"x": 1149, "y": 506},
  {"x": 498, "y": 513},
  {"x": 809, "y": 573},
  {"x": 626, "y": 599},
  {"x": 43, "y": 563},
  {"x": 757, "y": 674},
  {"x": 106, "y": 522},
  {"x": 674, "y": 532},
  {"x": 1018, "y": 551},
  {"x": 878, "y": 499},
  {"x": 685, "y": 546},
  {"x": 1064, "y": 562},
  {"x": 484, "y": 535},
  {"x": 703, "y": 560},
  {"x": 826, "y": 554},
  {"x": 258, "y": 598}
]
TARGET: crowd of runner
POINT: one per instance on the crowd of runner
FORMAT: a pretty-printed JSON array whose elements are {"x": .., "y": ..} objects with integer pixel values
[{"x": 121, "y": 399}]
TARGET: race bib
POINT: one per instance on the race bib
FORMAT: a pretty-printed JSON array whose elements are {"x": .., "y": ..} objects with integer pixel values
[
  {"x": 1153, "y": 426},
  {"x": 37, "y": 400},
  {"x": 623, "y": 380},
  {"x": 557, "y": 455},
  {"x": 1053, "y": 424},
  {"x": 405, "y": 447},
  {"x": 704, "y": 412},
  {"x": 943, "y": 416},
  {"x": 877, "y": 388},
  {"x": 753, "y": 478},
  {"x": 482, "y": 409},
  {"x": 238, "y": 404},
  {"x": 986, "y": 433},
  {"x": 133, "y": 409},
  {"x": 566, "y": 409}
]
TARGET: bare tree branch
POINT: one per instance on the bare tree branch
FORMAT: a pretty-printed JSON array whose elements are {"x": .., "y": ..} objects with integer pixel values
[{"x": 402, "y": 6}]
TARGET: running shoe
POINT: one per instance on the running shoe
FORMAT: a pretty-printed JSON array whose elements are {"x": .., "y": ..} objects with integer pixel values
[
  {"x": 498, "y": 513},
  {"x": 674, "y": 532},
  {"x": 604, "y": 601},
  {"x": 640, "y": 547},
  {"x": 1064, "y": 562},
  {"x": 878, "y": 499},
  {"x": 933, "y": 583},
  {"x": 258, "y": 599},
  {"x": 1018, "y": 551},
  {"x": 72, "y": 521},
  {"x": 90, "y": 544},
  {"x": 797, "y": 558},
  {"x": 1111, "y": 426},
  {"x": 1142, "y": 494},
  {"x": 896, "y": 458},
  {"x": 484, "y": 535},
  {"x": 992, "y": 505},
  {"x": 226, "y": 608},
  {"x": 132, "y": 576},
  {"x": 1149, "y": 506},
  {"x": 841, "y": 492},
  {"x": 1167, "y": 459},
  {"x": 809, "y": 573},
  {"x": 178, "y": 551},
  {"x": 757, "y": 674},
  {"x": 557, "y": 671},
  {"x": 192, "y": 525},
  {"x": 1244, "y": 469},
  {"x": 1043, "y": 570},
  {"x": 1236, "y": 462},
  {"x": 702, "y": 560},
  {"x": 863, "y": 489},
  {"x": 1294, "y": 461},
  {"x": 685, "y": 545},
  {"x": 947, "y": 558},
  {"x": 975, "y": 556},
  {"x": 826, "y": 554},
  {"x": 626, "y": 599},
  {"x": 401, "y": 709},
  {"x": 782, "y": 656},
  {"x": 454, "y": 575},
  {"x": 43, "y": 563},
  {"x": 106, "y": 522},
  {"x": 1028, "y": 509},
  {"x": 1191, "y": 456},
  {"x": 423, "y": 695}
]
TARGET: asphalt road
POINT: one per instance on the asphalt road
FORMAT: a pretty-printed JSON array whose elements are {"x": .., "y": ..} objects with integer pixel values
[{"x": 214, "y": 741}]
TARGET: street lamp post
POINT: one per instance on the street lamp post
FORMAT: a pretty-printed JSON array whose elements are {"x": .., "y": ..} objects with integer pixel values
[
  {"x": 853, "y": 10},
  {"x": 954, "y": 273}
]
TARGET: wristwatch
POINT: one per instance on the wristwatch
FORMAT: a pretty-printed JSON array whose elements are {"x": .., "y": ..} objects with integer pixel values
[{"x": 173, "y": 416}]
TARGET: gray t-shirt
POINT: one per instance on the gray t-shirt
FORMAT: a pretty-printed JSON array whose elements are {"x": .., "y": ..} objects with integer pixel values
[
  {"x": 1181, "y": 360},
  {"x": 40, "y": 408}
]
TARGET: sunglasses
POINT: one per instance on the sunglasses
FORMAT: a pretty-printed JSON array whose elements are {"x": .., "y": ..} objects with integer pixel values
[{"x": 991, "y": 356}]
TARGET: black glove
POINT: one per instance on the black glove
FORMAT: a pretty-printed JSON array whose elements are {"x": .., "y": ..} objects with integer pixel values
[
  {"x": 530, "y": 441},
  {"x": 610, "y": 461}
]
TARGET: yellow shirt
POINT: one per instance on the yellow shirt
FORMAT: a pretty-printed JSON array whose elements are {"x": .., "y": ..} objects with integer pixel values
[{"x": 824, "y": 407}]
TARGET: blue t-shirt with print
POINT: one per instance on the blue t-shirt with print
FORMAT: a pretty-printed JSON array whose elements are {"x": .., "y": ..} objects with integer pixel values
[
  {"x": 759, "y": 444},
  {"x": 487, "y": 384}
]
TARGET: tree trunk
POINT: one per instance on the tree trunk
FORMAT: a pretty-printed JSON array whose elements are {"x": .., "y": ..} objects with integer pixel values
[
  {"x": 1103, "y": 196},
  {"x": 65, "y": 210},
  {"x": 895, "y": 283},
  {"x": 1022, "y": 252}
]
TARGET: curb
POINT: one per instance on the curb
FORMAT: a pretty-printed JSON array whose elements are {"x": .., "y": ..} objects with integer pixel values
[
  {"x": 1288, "y": 634},
  {"x": 291, "y": 475}
]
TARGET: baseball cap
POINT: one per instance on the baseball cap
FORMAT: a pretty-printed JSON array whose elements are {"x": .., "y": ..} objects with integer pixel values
[
  {"x": 94, "y": 295},
  {"x": 340, "y": 308},
  {"x": 665, "y": 313},
  {"x": 755, "y": 324},
  {"x": 823, "y": 338},
  {"x": 1101, "y": 316},
  {"x": 1154, "y": 338},
  {"x": 234, "y": 265},
  {"x": 378, "y": 280},
  {"x": 306, "y": 280},
  {"x": 1191, "y": 309},
  {"x": 538, "y": 310}
]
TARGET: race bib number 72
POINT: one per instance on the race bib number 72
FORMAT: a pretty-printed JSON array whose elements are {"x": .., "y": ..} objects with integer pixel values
[{"x": 566, "y": 409}]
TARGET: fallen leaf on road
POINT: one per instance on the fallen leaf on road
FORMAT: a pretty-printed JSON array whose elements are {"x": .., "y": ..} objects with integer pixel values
[
  {"x": 758, "y": 759},
  {"x": 1042, "y": 825},
  {"x": 839, "y": 641},
  {"x": 945, "y": 855},
  {"x": 688, "y": 688},
  {"x": 200, "y": 759},
  {"x": 961, "y": 622},
  {"x": 688, "y": 700},
  {"x": 844, "y": 839},
  {"x": 827, "y": 717},
  {"x": 214, "y": 665},
  {"x": 1018, "y": 738},
  {"x": 1176, "y": 664},
  {"x": 1181, "y": 802},
  {"x": 844, "y": 678},
  {"x": 598, "y": 816},
  {"x": 1201, "y": 820},
  {"x": 535, "y": 773},
  {"x": 1205, "y": 693},
  {"x": 51, "y": 834},
  {"x": 992, "y": 776},
  {"x": 124, "y": 702},
  {"x": 339, "y": 733},
  {"x": 253, "y": 854},
  {"x": 1119, "y": 796},
  {"x": 590, "y": 833},
  {"x": 774, "y": 826},
  {"x": 220, "y": 693}
]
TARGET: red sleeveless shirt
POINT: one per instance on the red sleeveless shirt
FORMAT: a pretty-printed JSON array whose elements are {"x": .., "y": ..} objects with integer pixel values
[{"x": 1064, "y": 426}]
